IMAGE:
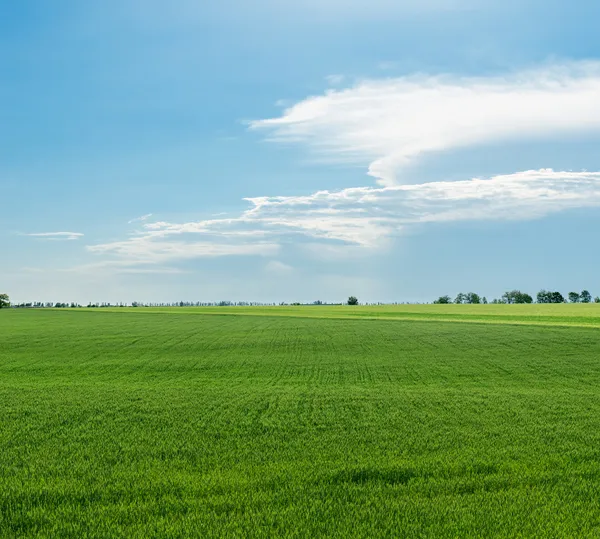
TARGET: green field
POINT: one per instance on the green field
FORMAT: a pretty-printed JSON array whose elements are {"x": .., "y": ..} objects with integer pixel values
[
  {"x": 582, "y": 315},
  {"x": 301, "y": 422}
]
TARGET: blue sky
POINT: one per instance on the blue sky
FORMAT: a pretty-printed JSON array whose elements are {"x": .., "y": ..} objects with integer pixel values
[{"x": 287, "y": 151}]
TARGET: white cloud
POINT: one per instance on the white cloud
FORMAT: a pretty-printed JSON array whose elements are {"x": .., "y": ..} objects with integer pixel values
[
  {"x": 275, "y": 266},
  {"x": 368, "y": 215},
  {"x": 356, "y": 218},
  {"x": 139, "y": 219},
  {"x": 56, "y": 235},
  {"x": 387, "y": 124},
  {"x": 146, "y": 249},
  {"x": 120, "y": 267}
]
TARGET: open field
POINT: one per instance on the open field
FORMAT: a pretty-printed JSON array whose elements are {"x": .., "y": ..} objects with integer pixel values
[
  {"x": 180, "y": 423},
  {"x": 582, "y": 315}
]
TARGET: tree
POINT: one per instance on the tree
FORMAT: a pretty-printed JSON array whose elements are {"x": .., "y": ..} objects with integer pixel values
[
  {"x": 473, "y": 298},
  {"x": 470, "y": 298},
  {"x": 4, "y": 301},
  {"x": 596, "y": 299},
  {"x": 352, "y": 300},
  {"x": 574, "y": 297},
  {"x": 516, "y": 296},
  {"x": 585, "y": 297},
  {"x": 544, "y": 296},
  {"x": 443, "y": 300}
]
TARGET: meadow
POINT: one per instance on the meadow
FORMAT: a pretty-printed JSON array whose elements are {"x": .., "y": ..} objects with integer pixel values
[
  {"x": 565, "y": 314},
  {"x": 407, "y": 421}
]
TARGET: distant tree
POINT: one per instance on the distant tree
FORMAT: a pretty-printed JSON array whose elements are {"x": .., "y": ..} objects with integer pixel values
[
  {"x": 352, "y": 300},
  {"x": 473, "y": 298},
  {"x": 318, "y": 302},
  {"x": 4, "y": 301},
  {"x": 484, "y": 300},
  {"x": 443, "y": 300},
  {"x": 574, "y": 297},
  {"x": 516, "y": 296},
  {"x": 509, "y": 297},
  {"x": 544, "y": 296},
  {"x": 585, "y": 297},
  {"x": 470, "y": 298},
  {"x": 596, "y": 299}
]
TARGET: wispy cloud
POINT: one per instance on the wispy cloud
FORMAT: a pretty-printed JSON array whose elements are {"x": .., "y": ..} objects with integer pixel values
[
  {"x": 139, "y": 219},
  {"x": 367, "y": 215},
  {"x": 359, "y": 217},
  {"x": 121, "y": 267},
  {"x": 335, "y": 80},
  {"x": 148, "y": 249},
  {"x": 387, "y": 124},
  {"x": 278, "y": 267},
  {"x": 56, "y": 235}
]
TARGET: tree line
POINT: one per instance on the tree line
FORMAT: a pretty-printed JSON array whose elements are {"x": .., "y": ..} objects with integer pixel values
[
  {"x": 5, "y": 302},
  {"x": 516, "y": 296},
  {"x": 470, "y": 298}
]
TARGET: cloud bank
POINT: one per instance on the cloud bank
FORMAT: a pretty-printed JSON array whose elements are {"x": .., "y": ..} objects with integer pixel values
[
  {"x": 360, "y": 217},
  {"x": 56, "y": 235},
  {"x": 388, "y": 124}
]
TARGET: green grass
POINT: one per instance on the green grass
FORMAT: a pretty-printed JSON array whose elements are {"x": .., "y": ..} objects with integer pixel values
[
  {"x": 173, "y": 424},
  {"x": 581, "y": 315}
]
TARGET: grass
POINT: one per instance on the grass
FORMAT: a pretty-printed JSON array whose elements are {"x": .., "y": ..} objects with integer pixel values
[
  {"x": 581, "y": 315},
  {"x": 169, "y": 424}
]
